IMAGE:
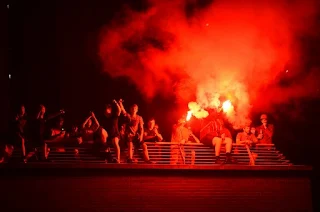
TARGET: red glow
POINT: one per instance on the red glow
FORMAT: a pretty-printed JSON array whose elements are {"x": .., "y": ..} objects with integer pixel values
[{"x": 232, "y": 48}]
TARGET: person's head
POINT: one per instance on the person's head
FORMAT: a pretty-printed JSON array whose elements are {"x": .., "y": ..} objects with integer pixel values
[
  {"x": 181, "y": 121},
  {"x": 151, "y": 123},
  {"x": 22, "y": 110},
  {"x": 264, "y": 119},
  {"x": 42, "y": 109},
  {"x": 253, "y": 130},
  {"x": 108, "y": 109},
  {"x": 134, "y": 109},
  {"x": 246, "y": 129}
]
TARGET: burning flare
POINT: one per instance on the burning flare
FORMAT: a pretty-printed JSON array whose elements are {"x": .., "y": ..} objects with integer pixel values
[
  {"x": 227, "y": 106},
  {"x": 189, "y": 115}
]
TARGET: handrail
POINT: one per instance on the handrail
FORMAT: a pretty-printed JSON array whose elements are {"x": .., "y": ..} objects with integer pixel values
[{"x": 200, "y": 144}]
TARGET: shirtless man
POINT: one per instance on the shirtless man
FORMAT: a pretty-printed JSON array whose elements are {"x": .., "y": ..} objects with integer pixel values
[{"x": 134, "y": 132}]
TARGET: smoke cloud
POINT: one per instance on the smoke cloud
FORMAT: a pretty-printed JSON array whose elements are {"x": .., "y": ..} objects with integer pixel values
[{"x": 227, "y": 50}]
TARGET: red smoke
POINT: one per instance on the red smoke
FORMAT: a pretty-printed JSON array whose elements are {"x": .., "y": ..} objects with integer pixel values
[{"x": 233, "y": 50}]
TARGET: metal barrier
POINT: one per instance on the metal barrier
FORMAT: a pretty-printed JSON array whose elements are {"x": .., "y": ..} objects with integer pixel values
[{"x": 166, "y": 152}]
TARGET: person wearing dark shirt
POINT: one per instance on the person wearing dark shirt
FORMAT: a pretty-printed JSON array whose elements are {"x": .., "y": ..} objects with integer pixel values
[
  {"x": 151, "y": 133},
  {"x": 41, "y": 127},
  {"x": 20, "y": 131},
  {"x": 134, "y": 132},
  {"x": 109, "y": 128}
]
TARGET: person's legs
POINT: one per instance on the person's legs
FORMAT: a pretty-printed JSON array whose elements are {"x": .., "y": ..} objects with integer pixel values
[
  {"x": 174, "y": 157},
  {"x": 228, "y": 143},
  {"x": 116, "y": 145},
  {"x": 145, "y": 153},
  {"x": 217, "y": 142},
  {"x": 130, "y": 149}
]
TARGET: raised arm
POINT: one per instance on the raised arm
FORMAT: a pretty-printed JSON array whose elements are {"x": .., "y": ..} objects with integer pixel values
[
  {"x": 51, "y": 116},
  {"x": 39, "y": 115},
  {"x": 194, "y": 137},
  {"x": 85, "y": 122},
  {"x": 118, "y": 107},
  {"x": 97, "y": 125},
  {"x": 124, "y": 112}
]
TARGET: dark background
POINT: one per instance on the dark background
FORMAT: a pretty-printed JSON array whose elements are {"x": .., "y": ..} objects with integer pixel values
[{"x": 51, "y": 53}]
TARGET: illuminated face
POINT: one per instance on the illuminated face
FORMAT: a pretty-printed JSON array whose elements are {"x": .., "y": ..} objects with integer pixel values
[
  {"x": 43, "y": 109},
  {"x": 151, "y": 124},
  {"x": 264, "y": 121},
  {"x": 108, "y": 110},
  {"x": 246, "y": 129},
  {"x": 253, "y": 130},
  {"x": 264, "y": 118},
  {"x": 22, "y": 110},
  {"x": 134, "y": 109}
]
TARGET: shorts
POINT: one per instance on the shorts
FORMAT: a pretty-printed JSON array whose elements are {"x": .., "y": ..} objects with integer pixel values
[
  {"x": 216, "y": 139},
  {"x": 135, "y": 140}
]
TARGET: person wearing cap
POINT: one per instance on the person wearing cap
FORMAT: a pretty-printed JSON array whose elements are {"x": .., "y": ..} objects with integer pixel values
[{"x": 265, "y": 131}]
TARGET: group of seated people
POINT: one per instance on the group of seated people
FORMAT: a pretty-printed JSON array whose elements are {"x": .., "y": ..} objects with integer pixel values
[
  {"x": 105, "y": 132},
  {"x": 218, "y": 135}
]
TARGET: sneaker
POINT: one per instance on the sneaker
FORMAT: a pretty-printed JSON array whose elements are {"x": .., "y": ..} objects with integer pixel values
[
  {"x": 218, "y": 161},
  {"x": 230, "y": 160},
  {"x": 115, "y": 161},
  {"x": 24, "y": 160},
  {"x": 129, "y": 161}
]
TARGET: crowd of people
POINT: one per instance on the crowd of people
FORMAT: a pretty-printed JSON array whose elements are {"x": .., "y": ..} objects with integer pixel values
[{"x": 99, "y": 134}]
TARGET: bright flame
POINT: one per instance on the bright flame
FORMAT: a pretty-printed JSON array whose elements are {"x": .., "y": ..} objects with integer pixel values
[
  {"x": 227, "y": 106},
  {"x": 197, "y": 111},
  {"x": 189, "y": 115}
]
